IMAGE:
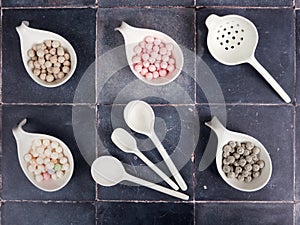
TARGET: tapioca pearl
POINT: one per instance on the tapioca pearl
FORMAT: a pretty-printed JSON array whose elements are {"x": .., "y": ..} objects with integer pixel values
[
  {"x": 63, "y": 160},
  {"x": 158, "y": 57},
  {"x": 46, "y": 142},
  {"x": 140, "y": 54},
  {"x": 60, "y": 155},
  {"x": 39, "y": 178},
  {"x": 161, "y": 45},
  {"x": 40, "y": 150},
  {"x": 149, "y": 39},
  {"x": 58, "y": 149},
  {"x": 136, "y": 59},
  {"x": 41, "y": 168},
  {"x": 142, "y": 44},
  {"x": 171, "y": 61},
  {"x": 170, "y": 67},
  {"x": 46, "y": 161},
  {"x": 146, "y": 64},
  {"x": 149, "y": 76},
  {"x": 165, "y": 58},
  {"x": 157, "y": 41},
  {"x": 46, "y": 176},
  {"x": 164, "y": 65},
  {"x": 151, "y": 59},
  {"x": 54, "y": 144},
  {"x": 54, "y": 155},
  {"x": 42, "y": 156},
  {"x": 37, "y": 172},
  {"x": 169, "y": 46},
  {"x": 155, "y": 74},
  {"x": 65, "y": 167},
  {"x": 149, "y": 46},
  {"x": 39, "y": 161},
  {"x": 155, "y": 48},
  {"x": 53, "y": 176},
  {"x": 144, "y": 50},
  {"x": 34, "y": 153},
  {"x": 50, "y": 165},
  {"x": 60, "y": 174},
  {"x": 138, "y": 68},
  {"x": 162, "y": 73},
  {"x": 31, "y": 168},
  {"x": 137, "y": 49},
  {"x": 144, "y": 71},
  {"x": 145, "y": 56},
  {"x": 157, "y": 64},
  {"x": 152, "y": 68},
  {"x": 48, "y": 152},
  {"x": 169, "y": 53},
  {"x": 27, "y": 157},
  {"x": 153, "y": 54},
  {"x": 37, "y": 142},
  {"x": 163, "y": 51}
]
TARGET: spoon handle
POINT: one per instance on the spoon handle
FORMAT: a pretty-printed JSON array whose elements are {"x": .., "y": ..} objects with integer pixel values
[
  {"x": 169, "y": 162},
  {"x": 253, "y": 61},
  {"x": 157, "y": 170},
  {"x": 155, "y": 187}
]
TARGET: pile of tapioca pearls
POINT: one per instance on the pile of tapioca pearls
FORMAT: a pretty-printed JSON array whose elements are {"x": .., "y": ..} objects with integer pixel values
[
  {"x": 153, "y": 58},
  {"x": 46, "y": 160}
]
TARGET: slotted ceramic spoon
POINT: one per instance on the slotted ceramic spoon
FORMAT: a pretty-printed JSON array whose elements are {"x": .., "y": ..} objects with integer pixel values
[
  {"x": 24, "y": 142},
  {"x": 232, "y": 40},
  {"x": 109, "y": 171},
  {"x": 132, "y": 36},
  {"x": 124, "y": 141},
  {"x": 224, "y": 136},
  {"x": 140, "y": 117},
  {"x": 30, "y": 36}
]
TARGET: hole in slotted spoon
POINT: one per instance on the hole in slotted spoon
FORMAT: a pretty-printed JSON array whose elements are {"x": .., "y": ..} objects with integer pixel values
[
  {"x": 236, "y": 31},
  {"x": 227, "y": 41},
  {"x": 242, "y": 38},
  {"x": 238, "y": 43},
  {"x": 221, "y": 43},
  {"x": 233, "y": 37},
  {"x": 223, "y": 36},
  {"x": 232, "y": 47},
  {"x": 242, "y": 30},
  {"x": 229, "y": 33},
  {"x": 226, "y": 48}
]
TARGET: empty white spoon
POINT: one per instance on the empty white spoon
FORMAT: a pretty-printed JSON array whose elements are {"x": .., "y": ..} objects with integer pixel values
[
  {"x": 124, "y": 141},
  {"x": 140, "y": 117},
  {"x": 224, "y": 136},
  {"x": 132, "y": 36},
  {"x": 109, "y": 171},
  {"x": 232, "y": 40},
  {"x": 30, "y": 36},
  {"x": 24, "y": 142}
]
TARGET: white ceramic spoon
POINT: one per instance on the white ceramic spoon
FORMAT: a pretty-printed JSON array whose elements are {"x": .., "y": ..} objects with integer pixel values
[
  {"x": 140, "y": 117},
  {"x": 232, "y": 40},
  {"x": 124, "y": 141},
  {"x": 109, "y": 171},
  {"x": 30, "y": 36},
  {"x": 24, "y": 142},
  {"x": 132, "y": 36},
  {"x": 224, "y": 136}
]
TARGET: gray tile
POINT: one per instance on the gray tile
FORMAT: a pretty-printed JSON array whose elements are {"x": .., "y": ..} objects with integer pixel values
[
  {"x": 107, "y": 3},
  {"x": 177, "y": 23},
  {"x": 40, "y": 3},
  {"x": 79, "y": 31},
  {"x": 174, "y": 126},
  {"x": 297, "y": 180},
  {"x": 275, "y": 51},
  {"x": 22, "y": 213},
  {"x": 264, "y": 123},
  {"x": 55, "y": 121},
  {"x": 261, "y": 3},
  {"x": 244, "y": 214},
  {"x": 145, "y": 213}
]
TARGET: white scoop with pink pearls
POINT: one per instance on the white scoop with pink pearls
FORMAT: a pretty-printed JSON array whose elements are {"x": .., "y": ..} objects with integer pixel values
[{"x": 153, "y": 56}]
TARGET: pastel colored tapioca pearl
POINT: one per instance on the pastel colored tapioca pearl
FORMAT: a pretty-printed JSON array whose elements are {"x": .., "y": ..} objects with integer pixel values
[
  {"x": 145, "y": 56},
  {"x": 144, "y": 71},
  {"x": 149, "y": 39},
  {"x": 146, "y": 64},
  {"x": 136, "y": 59},
  {"x": 162, "y": 73},
  {"x": 170, "y": 67},
  {"x": 157, "y": 41},
  {"x": 138, "y": 68},
  {"x": 169, "y": 46},
  {"x": 152, "y": 68},
  {"x": 163, "y": 51},
  {"x": 164, "y": 65},
  {"x": 137, "y": 49},
  {"x": 149, "y": 76},
  {"x": 155, "y": 74},
  {"x": 171, "y": 61}
]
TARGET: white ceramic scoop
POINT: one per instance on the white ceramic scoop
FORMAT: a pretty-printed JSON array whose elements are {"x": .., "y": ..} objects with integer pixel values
[
  {"x": 24, "y": 142},
  {"x": 140, "y": 117},
  {"x": 109, "y": 171},
  {"x": 232, "y": 40},
  {"x": 124, "y": 141},
  {"x": 224, "y": 136},
  {"x": 30, "y": 36},
  {"x": 132, "y": 36}
]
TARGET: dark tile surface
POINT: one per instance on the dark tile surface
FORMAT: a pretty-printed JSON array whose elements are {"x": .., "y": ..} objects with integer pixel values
[
  {"x": 47, "y": 213},
  {"x": 173, "y": 126},
  {"x": 52, "y": 120},
  {"x": 297, "y": 53},
  {"x": 277, "y": 3},
  {"x": 297, "y": 210},
  {"x": 41, "y": 3},
  {"x": 275, "y": 51},
  {"x": 79, "y": 31},
  {"x": 145, "y": 213},
  {"x": 297, "y": 180},
  {"x": 111, "y": 47},
  {"x": 244, "y": 213},
  {"x": 273, "y": 132},
  {"x": 107, "y": 3}
]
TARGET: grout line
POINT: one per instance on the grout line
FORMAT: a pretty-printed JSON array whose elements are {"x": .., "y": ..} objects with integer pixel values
[
  {"x": 294, "y": 214},
  {"x": 49, "y": 7},
  {"x": 294, "y": 113},
  {"x": 49, "y": 104},
  {"x": 295, "y": 56},
  {"x": 244, "y": 7},
  {"x": 48, "y": 201}
]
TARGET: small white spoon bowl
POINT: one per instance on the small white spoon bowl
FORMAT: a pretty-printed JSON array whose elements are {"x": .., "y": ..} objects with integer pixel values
[
  {"x": 224, "y": 136},
  {"x": 29, "y": 37},
  {"x": 132, "y": 36},
  {"x": 24, "y": 142}
]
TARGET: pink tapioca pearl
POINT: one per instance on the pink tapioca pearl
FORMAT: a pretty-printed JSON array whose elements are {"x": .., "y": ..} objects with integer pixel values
[
  {"x": 155, "y": 48},
  {"x": 163, "y": 51},
  {"x": 154, "y": 55},
  {"x": 146, "y": 64},
  {"x": 170, "y": 67},
  {"x": 155, "y": 74},
  {"x": 171, "y": 61},
  {"x": 46, "y": 176},
  {"x": 137, "y": 49},
  {"x": 136, "y": 59},
  {"x": 164, "y": 65},
  {"x": 145, "y": 56},
  {"x": 149, "y": 39},
  {"x": 149, "y": 76},
  {"x": 158, "y": 57},
  {"x": 169, "y": 47},
  {"x": 169, "y": 53},
  {"x": 138, "y": 68},
  {"x": 161, "y": 45},
  {"x": 157, "y": 64},
  {"x": 144, "y": 50},
  {"x": 152, "y": 68},
  {"x": 144, "y": 71},
  {"x": 142, "y": 44},
  {"x": 157, "y": 41},
  {"x": 149, "y": 46},
  {"x": 165, "y": 58},
  {"x": 162, "y": 73},
  {"x": 151, "y": 59}
]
